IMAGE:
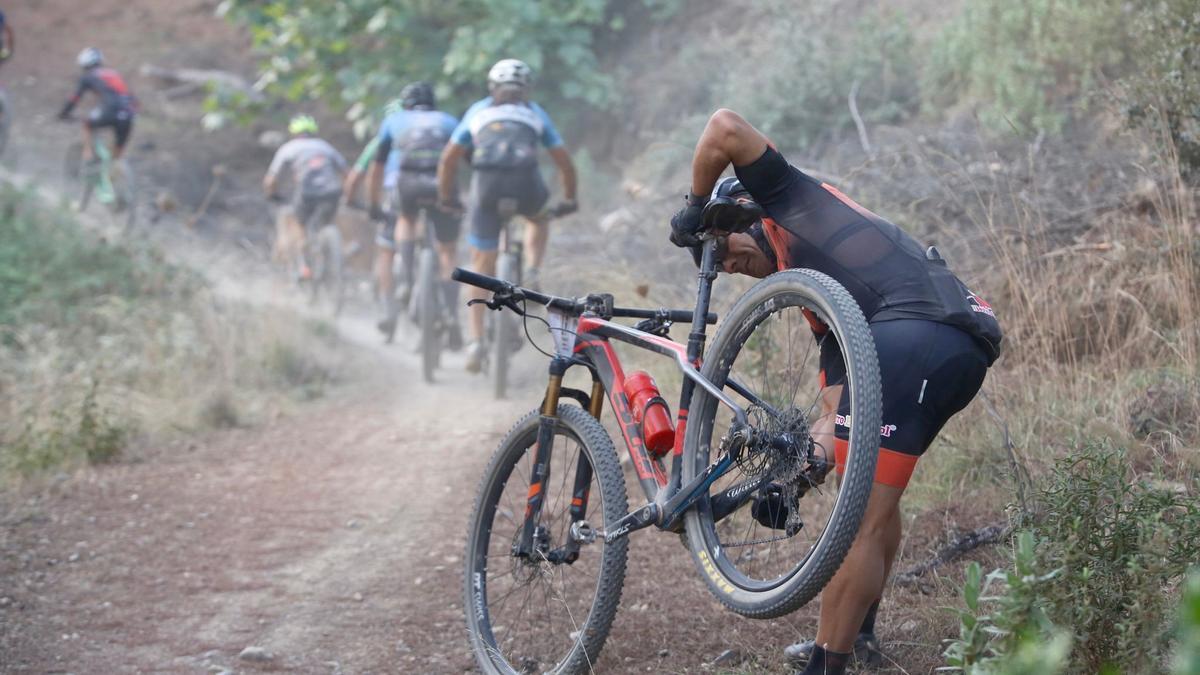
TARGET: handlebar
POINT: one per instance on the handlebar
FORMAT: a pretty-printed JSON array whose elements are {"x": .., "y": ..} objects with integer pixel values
[{"x": 572, "y": 306}]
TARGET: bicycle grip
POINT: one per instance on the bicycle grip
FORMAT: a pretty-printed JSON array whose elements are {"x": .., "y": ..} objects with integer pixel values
[{"x": 480, "y": 280}]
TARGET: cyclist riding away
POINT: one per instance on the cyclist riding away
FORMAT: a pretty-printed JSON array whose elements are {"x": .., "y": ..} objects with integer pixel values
[
  {"x": 317, "y": 170},
  {"x": 117, "y": 104},
  {"x": 8, "y": 43},
  {"x": 410, "y": 144},
  {"x": 502, "y": 132},
  {"x": 935, "y": 341}
]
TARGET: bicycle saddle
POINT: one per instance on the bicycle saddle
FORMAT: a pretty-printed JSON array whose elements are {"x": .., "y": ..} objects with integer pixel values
[{"x": 726, "y": 214}]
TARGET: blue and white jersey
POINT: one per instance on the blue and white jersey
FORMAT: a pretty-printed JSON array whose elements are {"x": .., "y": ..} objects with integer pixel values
[
  {"x": 484, "y": 112},
  {"x": 412, "y": 140}
]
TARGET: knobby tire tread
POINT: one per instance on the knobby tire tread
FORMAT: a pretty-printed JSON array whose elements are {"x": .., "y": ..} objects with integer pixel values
[
  {"x": 607, "y": 472},
  {"x": 835, "y": 541}
]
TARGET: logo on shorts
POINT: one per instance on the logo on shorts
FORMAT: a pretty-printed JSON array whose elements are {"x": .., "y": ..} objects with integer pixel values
[
  {"x": 844, "y": 421},
  {"x": 980, "y": 305}
]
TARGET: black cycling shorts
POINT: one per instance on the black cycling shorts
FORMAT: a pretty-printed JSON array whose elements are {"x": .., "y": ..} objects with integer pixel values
[
  {"x": 417, "y": 190},
  {"x": 929, "y": 372},
  {"x": 120, "y": 119},
  {"x": 490, "y": 188},
  {"x": 315, "y": 211}
]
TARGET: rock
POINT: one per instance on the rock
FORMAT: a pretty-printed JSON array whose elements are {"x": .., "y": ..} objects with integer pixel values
[
  {"x": 256, "y": 655},
  {"x": 74, "y": 557},
  {"x": 909, "y": 626},
  {"x": 664, "y": 653},
  {"x": 5, "y": 601},
  {"x": 729, "y": 657},
  {"x": 358, "y": 597}
]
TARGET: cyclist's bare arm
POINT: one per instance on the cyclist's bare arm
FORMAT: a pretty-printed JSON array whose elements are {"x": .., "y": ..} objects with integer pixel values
[
  {"x": 374, "y": 184},
  {"x": 727, "y": 139},
  {"x": 566, "y": 169},
  {"x": 448, "y": 170}
]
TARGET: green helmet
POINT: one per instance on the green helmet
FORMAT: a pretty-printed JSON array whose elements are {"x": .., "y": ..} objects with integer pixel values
[
  {"x": 393, "y": 106},
  {"x": 302, "y": 124}
]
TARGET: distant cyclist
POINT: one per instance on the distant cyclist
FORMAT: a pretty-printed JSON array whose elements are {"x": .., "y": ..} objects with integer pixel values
[
  {"x": 116, "y": 107},
  {"x": 410, "y": 143},
  {"x": 356, "y": 177},
  {"x": 502, "y": 133},
  {"x": 316, "y": 169},
  {"x": 8, "y": 43}
]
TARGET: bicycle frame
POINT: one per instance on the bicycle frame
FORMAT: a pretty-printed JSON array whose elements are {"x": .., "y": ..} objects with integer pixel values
[{"x": 586, "y": 341}]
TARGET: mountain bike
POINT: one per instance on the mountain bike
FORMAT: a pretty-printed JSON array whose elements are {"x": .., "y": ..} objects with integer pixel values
[
  {"x": 426, "y": 305},
  {"x": 110, "y": 181},
  {"x": 319, "y": 264},
  {"x": 753, "y": 492}
]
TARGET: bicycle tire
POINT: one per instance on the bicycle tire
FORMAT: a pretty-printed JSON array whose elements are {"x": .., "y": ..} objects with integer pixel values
[
  {"x": 789, "y": 288},
  {"x": 589, "y": 635},
  {"x": 329, "y": 240},
  {"x": 504, "y": 330},
  {"x": 428, "y": 311},
  {"x": 124, "y": 185}
]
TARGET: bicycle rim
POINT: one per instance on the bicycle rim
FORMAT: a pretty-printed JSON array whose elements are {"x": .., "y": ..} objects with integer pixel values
[
  {"x": 767, "y": 343},
  {"x": 532, "y": 615}
]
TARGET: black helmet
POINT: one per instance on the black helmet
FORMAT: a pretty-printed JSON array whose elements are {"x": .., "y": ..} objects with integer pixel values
[
  {"x": 730, "y": 187},
  {"x": 418, "y": 95}
]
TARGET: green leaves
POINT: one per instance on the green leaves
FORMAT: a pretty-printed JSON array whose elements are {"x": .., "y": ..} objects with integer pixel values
[{"x": 365, "y": 51}]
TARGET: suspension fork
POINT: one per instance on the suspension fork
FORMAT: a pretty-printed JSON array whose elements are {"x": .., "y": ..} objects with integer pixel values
[
  {"x": 540, "y": 475},
  {"x": 583, "y": 467}
]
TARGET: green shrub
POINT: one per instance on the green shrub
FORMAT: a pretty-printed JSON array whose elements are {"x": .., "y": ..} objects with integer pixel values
[
  {"x": 1187, "y": 653},
  {"x": 1020, "y": 59},
  {"x": 1163, "y": 92},
  {"x": 88, "y": 433},
  {"x": 799, "y": 94},
  {"x": 1097, "y": 561}
]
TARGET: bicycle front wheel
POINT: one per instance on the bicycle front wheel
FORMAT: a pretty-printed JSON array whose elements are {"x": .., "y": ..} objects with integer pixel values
[
  {"x": 773, "y": 530},
  {"x": 540, "y": 613}
]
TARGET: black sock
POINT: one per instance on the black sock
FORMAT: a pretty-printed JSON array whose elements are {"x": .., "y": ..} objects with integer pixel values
[
  {"x": 408, "y": 256},
  {"x": 868, "y": 624},
  {"x": 824, "y": 662}
]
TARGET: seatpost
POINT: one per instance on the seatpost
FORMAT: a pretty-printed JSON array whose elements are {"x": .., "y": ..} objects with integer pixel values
[{"x": 708, "y": 273}]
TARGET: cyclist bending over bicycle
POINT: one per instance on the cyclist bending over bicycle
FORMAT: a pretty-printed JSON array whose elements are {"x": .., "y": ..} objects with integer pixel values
[
  {"x": 117, "y": 105},
  {"x": 409, "y": 145},
  {"x": 317, "y": 170},
  {"x": 935, "y": 340},
  {"x": 502, "y": 132}
]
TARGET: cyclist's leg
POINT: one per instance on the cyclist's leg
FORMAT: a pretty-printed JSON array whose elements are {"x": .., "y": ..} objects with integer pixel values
[
  {"x": 537, "y": 227},
  {"x": 94, "y": 120},
  {"x": 406, "y": 228},
  {"x": 303, "y": 210},
  {"x": 122, "y": 128},
  {"x": 385, "y": 245},
  {"x": 929, "y": 372},
  {"x": 483, "y": 236}
]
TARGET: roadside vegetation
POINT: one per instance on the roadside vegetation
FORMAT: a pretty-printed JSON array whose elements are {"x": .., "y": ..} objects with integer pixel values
[{"x": 104, "y": 345}]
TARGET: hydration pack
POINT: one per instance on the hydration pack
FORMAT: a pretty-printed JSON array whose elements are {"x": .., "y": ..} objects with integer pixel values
[
  {"x": 422, "y": 145},
  {"x": 318, "y": 176},
  {"x": 506, "y": 137}
]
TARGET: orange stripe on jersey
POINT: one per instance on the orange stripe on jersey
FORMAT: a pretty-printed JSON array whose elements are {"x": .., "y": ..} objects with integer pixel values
[
  {"x": 777, "y": 238},
  {"x": 849, "y": 202}
]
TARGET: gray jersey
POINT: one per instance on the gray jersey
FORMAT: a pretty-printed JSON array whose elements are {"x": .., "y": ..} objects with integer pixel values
[{"x": 316, "y": 166}]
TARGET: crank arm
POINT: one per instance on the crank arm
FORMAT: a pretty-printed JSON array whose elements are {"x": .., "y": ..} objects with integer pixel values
[{"x": 643, "y": 517}]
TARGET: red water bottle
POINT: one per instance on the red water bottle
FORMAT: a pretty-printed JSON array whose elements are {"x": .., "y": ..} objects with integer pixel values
[{"x": 651, "y": 411}]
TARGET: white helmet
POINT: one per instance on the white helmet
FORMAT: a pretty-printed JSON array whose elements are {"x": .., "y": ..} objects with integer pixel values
[
  {"x": 510, "y": 71},
  {"x": 89, "y": 58}
]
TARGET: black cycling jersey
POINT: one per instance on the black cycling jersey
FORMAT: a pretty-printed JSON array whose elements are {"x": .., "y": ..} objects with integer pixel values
[
  {"x": 812, "y": 224},
  {"x": 109, "y": 87}
]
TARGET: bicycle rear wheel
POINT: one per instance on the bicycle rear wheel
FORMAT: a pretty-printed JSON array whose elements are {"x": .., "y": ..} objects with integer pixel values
[
  {"x": 504, "y": 329},
  {"x": 531, "y": 615},
  {"x": 330, "y": 274},
  {"x": 764, "y": 555},
  {"x": 429, "y": 311}
]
